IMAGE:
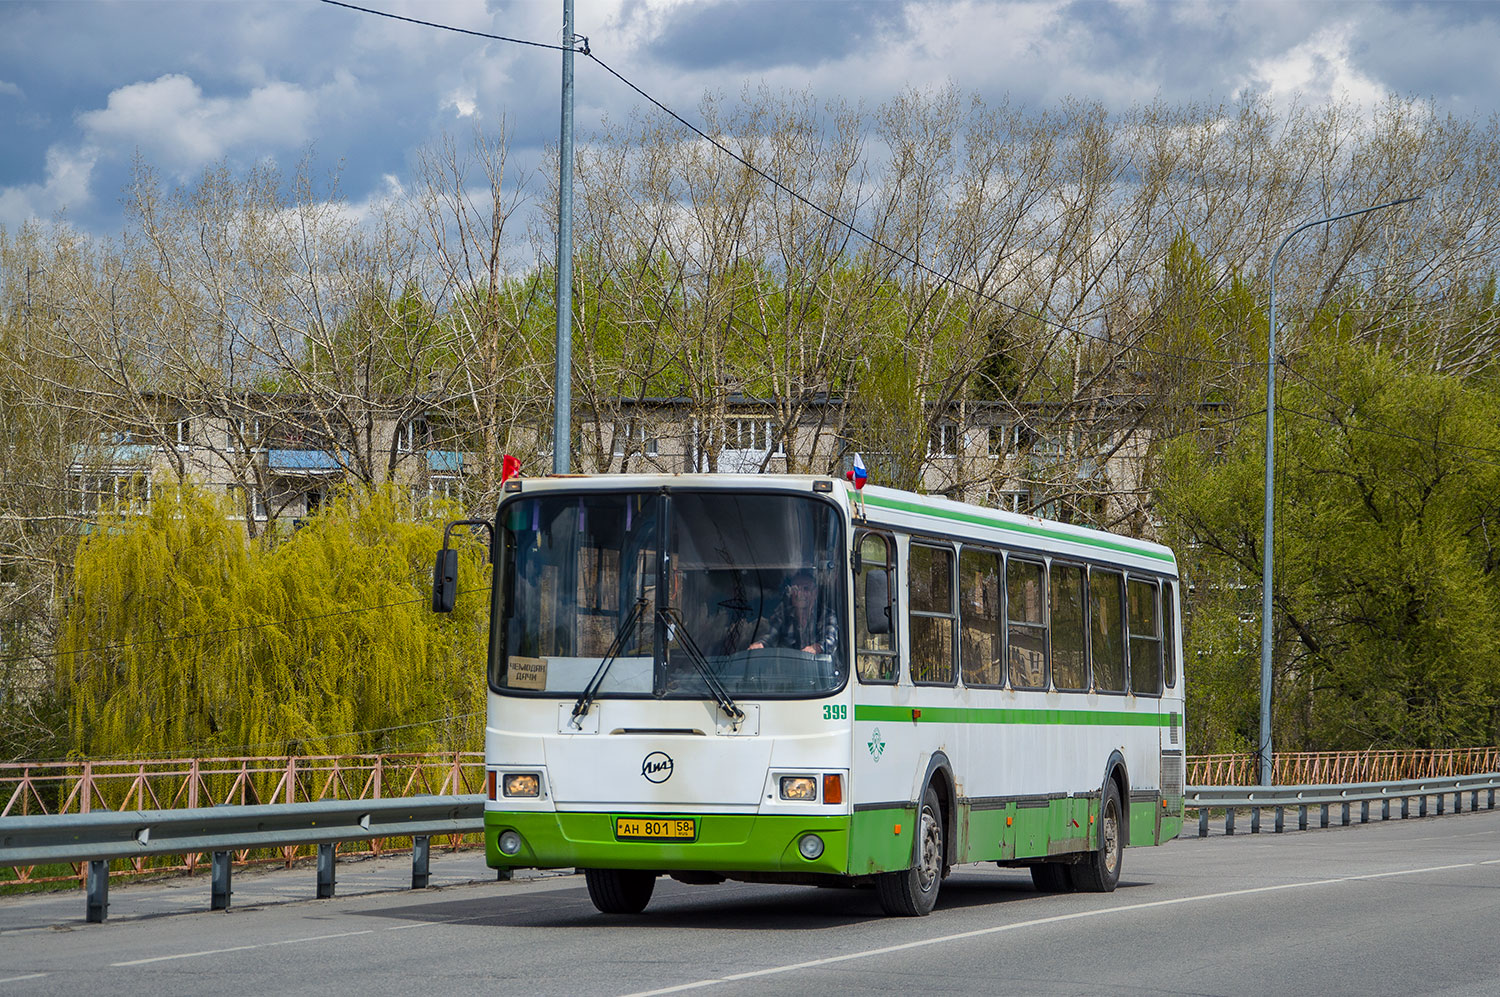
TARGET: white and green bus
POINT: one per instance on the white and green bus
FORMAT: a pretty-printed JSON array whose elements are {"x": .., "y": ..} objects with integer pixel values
[{"x": 767, "y": 679}]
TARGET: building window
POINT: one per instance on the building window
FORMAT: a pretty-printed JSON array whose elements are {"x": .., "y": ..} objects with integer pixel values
[
  {"x": 639, "y": 442},
  {"x": 1011, "y": 500},
  {"x": 942, "y": 439},
  {"x": 753, "y": 434},
  {"x": 1005, "y": 439},
  {"x": 183, "y": 431},
  {"x": 110, "y": 491},
  {"x": 413, "y": 436}
]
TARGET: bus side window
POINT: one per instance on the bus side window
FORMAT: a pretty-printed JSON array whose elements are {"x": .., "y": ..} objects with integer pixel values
[
  {"x": 1107, "y": 629},
  {"x": 1144, "y": 620},
  {"x": 1169, "y": 635},
  {"x": 981, "y": 639},
  {"x": 874, "y": 610},
  {"x": 1026, "y": 623},
  {"x": 931, "y": 614},
  {"x": 1070, "y": 658}
]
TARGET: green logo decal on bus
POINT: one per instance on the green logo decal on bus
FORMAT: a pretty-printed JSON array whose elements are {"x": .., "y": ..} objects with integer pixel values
[{"x": 876, "y": 745}]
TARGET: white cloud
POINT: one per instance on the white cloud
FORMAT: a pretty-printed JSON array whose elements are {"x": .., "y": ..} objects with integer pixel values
[
  {"x": 8, "y": 89},
  {"x": 462, "y": 102},
  {"x": 1317, "y": 69},
  {"x": 172, "y": 121},
  {"x": 66, "y": 186}
]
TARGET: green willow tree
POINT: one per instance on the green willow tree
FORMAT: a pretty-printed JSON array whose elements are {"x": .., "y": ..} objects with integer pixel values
[{"x": 180, "y": 636}]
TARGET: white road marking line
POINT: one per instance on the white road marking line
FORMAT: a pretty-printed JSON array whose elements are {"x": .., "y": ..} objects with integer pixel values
[
  {"x": 1034, "y": 922},
  {"x": 18, "y": 979},
  {"x": 240, "y": 948},
  {"x": 182, "y": 955}
]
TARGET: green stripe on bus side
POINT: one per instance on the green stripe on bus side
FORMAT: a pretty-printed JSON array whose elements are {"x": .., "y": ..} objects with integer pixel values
[
  {"x": 1026, "y": 528},
  {"x": 975, "y": 715}
]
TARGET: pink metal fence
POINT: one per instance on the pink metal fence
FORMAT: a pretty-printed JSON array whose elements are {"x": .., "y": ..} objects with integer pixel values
[
  {"x": 29, "y": 788},
  {"x": 1295, "y": 768}
]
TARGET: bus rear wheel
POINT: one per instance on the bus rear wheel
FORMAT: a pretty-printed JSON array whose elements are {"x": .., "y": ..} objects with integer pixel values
[
  {"x": 1099, "y": 872},
  {"x": 620, "y": 891},
  {"x": 913, "y": 892}
]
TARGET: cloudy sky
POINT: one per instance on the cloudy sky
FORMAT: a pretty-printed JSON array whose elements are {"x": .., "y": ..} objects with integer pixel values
[{"x": 86, "y": 86}]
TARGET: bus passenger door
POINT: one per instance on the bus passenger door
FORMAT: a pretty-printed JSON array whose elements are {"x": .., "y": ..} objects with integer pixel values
[{"x": 885, "y": 748}]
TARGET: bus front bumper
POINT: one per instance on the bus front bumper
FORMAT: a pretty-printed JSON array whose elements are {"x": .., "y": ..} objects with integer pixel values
[{"x": 721, "y": 842}]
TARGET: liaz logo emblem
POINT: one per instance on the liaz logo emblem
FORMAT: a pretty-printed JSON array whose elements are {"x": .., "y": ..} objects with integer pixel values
[
  {"x": 876, "y": 745},
  {"x": 657, "y": 767}
]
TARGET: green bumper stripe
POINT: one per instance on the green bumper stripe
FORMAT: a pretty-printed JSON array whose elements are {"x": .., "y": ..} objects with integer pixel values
[
  {"x": 975, "y": 715},
  {"x": 1122, "y": 545}
]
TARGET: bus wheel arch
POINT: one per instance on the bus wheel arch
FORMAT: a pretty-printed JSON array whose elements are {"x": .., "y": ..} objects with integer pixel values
[
  {"x": 912, "y": 892},
  {"x": 939, "y": 778},
  {"x": 1099, "y": 869},
  {"x": 1116, "y": 771}
]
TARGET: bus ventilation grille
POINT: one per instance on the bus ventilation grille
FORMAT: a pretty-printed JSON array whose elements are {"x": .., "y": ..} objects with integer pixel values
[{"x": 1171, "y": 780}]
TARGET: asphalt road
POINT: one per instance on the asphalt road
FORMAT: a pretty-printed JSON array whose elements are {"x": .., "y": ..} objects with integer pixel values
[{"x": 1385, "y": 908}]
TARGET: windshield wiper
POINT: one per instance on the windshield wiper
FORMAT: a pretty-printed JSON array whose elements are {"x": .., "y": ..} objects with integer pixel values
[
  {"x": 733, "y": 712},
  {"x": 581, "y": 708}
]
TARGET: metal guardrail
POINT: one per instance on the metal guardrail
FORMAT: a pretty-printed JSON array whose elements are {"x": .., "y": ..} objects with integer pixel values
[
  {"x": 1231, "y": 799},
  {"x": 98, "y": 837}
]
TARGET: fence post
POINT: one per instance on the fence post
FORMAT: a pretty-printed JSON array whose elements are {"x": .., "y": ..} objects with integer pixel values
[
  {"x": 98, "y": 891},
  {"x": 1422, "y": 806},
  {"x": 1302, "y": 817},
  {"x": 1280, "y": 817},
  {"x": 1323, "y": 817},
  {"x": 1255, "y": 820},
  {"x": 1385, "y": 809},
  {"x": 326, "y": 869},
  {"x": 1229, "y": 821},
  {"x": 1442, "y": 803},
  {"x": 223, "y": 866},
  {"x": 1203, "y": 818},
  {"x": 420, "y": 845},
  {"x": 1405, "y": 807},
  {"x": 1364, "y": 811}
]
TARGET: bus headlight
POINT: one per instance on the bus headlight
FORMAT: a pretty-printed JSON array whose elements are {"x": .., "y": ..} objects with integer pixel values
[
  {"x": 522, "y": 784},
  {"x": 799, "y": 787},
  {"x": 811, "y": 846},
  {"x": 510, "y": 843}
]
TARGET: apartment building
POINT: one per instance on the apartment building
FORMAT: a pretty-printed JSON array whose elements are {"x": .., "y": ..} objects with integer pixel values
[{"x": 283, "y": 466}]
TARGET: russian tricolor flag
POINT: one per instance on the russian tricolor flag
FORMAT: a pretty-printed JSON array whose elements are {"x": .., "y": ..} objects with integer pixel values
[{"x": 859, "y": 475}]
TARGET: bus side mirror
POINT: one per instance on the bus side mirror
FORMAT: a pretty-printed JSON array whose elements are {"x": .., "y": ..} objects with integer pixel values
[
  {"x": 445, "y": 581},
  {"x": 877, "y": 601}
]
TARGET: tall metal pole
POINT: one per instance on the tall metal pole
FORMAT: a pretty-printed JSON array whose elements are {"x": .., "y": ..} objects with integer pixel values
[
  {"x": 1264, "y": 764},
  {"x": 562, "y": 427}
]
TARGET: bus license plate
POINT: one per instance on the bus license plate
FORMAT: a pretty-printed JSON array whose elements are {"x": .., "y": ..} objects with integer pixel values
[{"x": 655, "y": 829}]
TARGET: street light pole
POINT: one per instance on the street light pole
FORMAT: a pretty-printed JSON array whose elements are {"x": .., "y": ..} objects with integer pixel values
[
  {"x": 562, "y": 387},
  {"x": 1264, "y": 765}
]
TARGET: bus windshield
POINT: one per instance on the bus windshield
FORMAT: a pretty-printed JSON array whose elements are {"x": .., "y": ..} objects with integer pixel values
[{"x": 645, "y": 582}]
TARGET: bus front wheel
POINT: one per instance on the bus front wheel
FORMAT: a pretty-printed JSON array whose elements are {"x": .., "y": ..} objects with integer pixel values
[
  {"x": 913, "y": 892},
  {"x": 620, "y": 891},
  {"x": 1099, "y": 872}
]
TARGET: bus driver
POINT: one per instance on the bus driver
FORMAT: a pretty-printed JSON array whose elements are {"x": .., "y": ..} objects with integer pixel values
[{"x": 796, "y": 622}]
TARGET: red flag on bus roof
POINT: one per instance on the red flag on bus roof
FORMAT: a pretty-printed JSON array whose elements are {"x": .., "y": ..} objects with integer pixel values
[{"x": 510, "y": 467}]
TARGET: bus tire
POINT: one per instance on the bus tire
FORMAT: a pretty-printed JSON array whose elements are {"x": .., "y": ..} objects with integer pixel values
[
  {"x": 913, "y": 892},
  {"x": 1099, "y": 872},
  {"x": 1051, "y": 877},
  {"x": 620, "y": 891}
]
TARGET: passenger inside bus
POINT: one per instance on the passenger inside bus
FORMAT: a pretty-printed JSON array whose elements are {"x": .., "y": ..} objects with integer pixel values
[{"x": 798, "y": 621}]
